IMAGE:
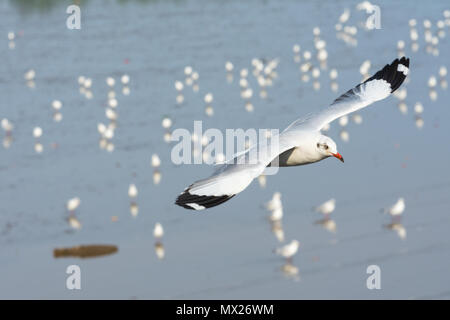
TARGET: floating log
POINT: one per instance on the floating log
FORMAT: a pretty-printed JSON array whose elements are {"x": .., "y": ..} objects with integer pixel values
[{"x": 85, "y": 251}]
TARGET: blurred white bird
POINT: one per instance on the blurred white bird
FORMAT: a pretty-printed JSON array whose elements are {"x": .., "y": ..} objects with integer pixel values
[
  {"x": 289, "y": 250},
  {"x": 276, "y": 207},
  {"x": 327, "y": 207},
  {"x": 73, "y": 204},
  {"x": 275, "y": 203},
  {"x": 37, "y": 132},
  {"x": 156, "y": 161},
  {"x": 132, "y": 191},
  {"x": 397, "y": 209},
  {"x": 158, "y": 231},
  {"x": 277, "y": 214}
]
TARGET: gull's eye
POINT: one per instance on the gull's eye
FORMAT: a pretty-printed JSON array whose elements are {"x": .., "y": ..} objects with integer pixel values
[
  {"x": 326, "y": 147},
  {"x": 318, "y": 145}
]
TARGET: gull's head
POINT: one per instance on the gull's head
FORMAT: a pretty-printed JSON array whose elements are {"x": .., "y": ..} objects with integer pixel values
[{"x": 327, "y": 148}]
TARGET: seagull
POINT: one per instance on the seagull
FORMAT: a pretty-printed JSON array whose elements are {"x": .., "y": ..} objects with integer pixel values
[
  {"x": 326, "y": 208},
  {"x": 289, "y": 250},
  {"x": 275, "y": 206},
  {"x": 300, "y": 143},
  {"x": 158, "y": 231},
  {"x": 397, "y": 209},
  {"x": 275, "y": 203}
]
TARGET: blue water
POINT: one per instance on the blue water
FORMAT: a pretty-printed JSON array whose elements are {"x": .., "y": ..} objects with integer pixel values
[{"x": 225, "y": 252}]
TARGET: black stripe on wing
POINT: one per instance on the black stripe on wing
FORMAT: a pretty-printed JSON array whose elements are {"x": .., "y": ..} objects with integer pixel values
[
  {"x": 186, "y": 200},
  {"x": 392, "y": 74}
]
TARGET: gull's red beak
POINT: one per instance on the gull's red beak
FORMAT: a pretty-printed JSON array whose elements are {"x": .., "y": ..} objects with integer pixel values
[{"x": 338, "y": 155}]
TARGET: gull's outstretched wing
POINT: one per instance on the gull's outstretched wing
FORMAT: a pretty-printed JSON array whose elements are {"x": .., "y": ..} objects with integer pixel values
[
  {"x": 234, "y": 176},
  {"x": 377, "y": 87}
]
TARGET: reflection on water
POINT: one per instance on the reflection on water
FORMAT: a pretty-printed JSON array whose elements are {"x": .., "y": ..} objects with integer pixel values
[
  {"x": 290, "y": 271},
  {"x": 29, "y": 6},
  {"x": 134, "y": 209},
  {"x": 328, "y": 224},
  {"x": 150, "y": 51},
  {"x": 277, "y": 230},
  {"x": 85, "y": 251},
  {"x": 398, "y": 228},
  {"x": 159, "y": 250}
]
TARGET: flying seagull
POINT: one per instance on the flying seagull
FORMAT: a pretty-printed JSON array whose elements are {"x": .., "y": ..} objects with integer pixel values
[{"x": 300, "y": 143}]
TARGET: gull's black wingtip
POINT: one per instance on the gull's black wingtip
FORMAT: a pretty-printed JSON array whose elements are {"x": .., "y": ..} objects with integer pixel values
[
  {"x": 196, "y": 202},
  {"x": 394, "y": 73}
]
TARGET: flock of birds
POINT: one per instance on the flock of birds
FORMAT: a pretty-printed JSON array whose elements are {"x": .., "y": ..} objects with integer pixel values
[
  {"x": 312, "y": 64},
  {"x": 158, "y": 230},
  {"x": 275, "y": 207},
  {"x": 289, "y": 250}
]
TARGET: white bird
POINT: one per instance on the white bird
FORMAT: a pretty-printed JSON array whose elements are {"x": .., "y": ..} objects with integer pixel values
[
  {"x": 73, "y": 204},
  {"x": 56, "y": 104},
  {"x": 229, "y": 66},
  {"x": 300, "y": 143},
  {"x": 158, "y": 231},
  {"x": 7, "y": 125},
  {"x": 110, "y": 81},
  {"x": 276, "y": 214},
  {"x": 327, "y": 207},
  {"x": 275, "y": 203},
  {"x": 125, "y": 79},
  {"x": 166, "y": 122},
  {"x": 37, "y": 132},
  {"x": 276, "y": 207},
  {"x": 132, "y": 191},
  {"x": 156, "y": 161},
  {"x": 289, "y": 250},
  {"x": 208, "y": 98},
  {"x": 179, "y": 85},
  {"x": 397, "y": 209}
]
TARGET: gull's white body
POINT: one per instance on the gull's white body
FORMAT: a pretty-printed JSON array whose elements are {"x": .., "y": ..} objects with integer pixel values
[
  {"x": 275, "y": 203},
  {"x": 276, "y": 207},
  {"x": 300, "y": 143},
  {"x": 289, "y": 250},
  {"x": 327, "y": 207},
  {"x": 158, "y": 230},
  {"x": 398, "y": 208},
  {"x": 276, "y": 215}
]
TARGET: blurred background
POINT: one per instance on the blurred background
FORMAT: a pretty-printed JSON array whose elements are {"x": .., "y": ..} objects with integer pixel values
[{"x": 85, "y": 156}]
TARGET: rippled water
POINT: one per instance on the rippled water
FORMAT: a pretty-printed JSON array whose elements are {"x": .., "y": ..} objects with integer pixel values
[{"x": 226, "y": 252}]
